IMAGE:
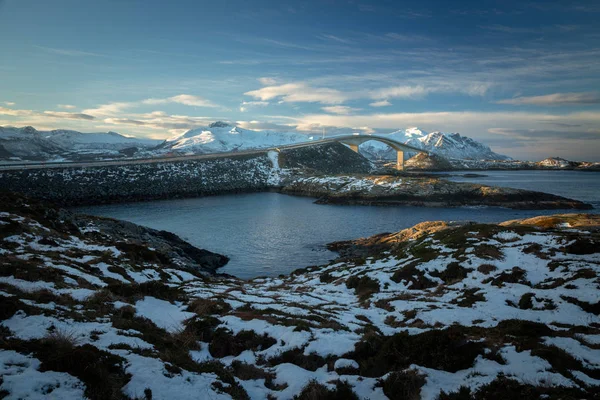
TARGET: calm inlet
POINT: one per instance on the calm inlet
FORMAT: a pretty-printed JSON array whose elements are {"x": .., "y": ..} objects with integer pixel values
[{"x": 267, "y": 234}]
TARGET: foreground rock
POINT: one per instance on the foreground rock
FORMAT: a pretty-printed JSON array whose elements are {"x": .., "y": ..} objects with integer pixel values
[
  {"x": 118, "y": 246},
  {"x": 474, "y": 311},
  {"x": 421, "y": 191}
]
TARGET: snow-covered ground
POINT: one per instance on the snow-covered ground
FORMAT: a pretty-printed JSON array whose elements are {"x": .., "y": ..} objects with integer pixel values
[{"x": 432, "y": 308}]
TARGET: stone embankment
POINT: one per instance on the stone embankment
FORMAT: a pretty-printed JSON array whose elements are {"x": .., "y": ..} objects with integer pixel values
[{"x": 255, "y": 172}]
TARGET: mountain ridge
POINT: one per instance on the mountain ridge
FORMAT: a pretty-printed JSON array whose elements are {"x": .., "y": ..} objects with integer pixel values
[{"x": 447, "y": 145}]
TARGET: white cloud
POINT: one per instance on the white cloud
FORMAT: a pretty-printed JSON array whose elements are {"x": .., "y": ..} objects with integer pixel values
[
  {"x": 68, "y": 115},
  {"x": 474, "y": 123},
  {"x": 267, "y": 81},
  {"x": 68, "y": 52},
  {"x": 335, "y": 38},
  {"x": 400, "y": 92},
  {"x": 343, "y": 110},
  {"x": 67, "y": 106},
  {"x": 110, "y": 109},
  {"x": 381, "y": 103},
  {"x": 249, "y": 104},
  {"x": 9, "y": 103},
  {"x": 185, "y": 99},
  {"x": 298, "y": 92},
  {"x": 47, "y": 114},
  {"x": 117, "y": 108},
  {"x": 262, "y": 125},
  {"x": 305, "y": 92},
  {"x": 555, "y": 99}
]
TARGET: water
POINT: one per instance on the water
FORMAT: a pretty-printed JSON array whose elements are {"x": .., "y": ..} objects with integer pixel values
[
  {"x": 578, "y": 185},
  {"x": 267, "y": 234}
]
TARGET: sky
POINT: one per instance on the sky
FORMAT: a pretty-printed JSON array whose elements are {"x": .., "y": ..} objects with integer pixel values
[{"x": 520, "y": 76}]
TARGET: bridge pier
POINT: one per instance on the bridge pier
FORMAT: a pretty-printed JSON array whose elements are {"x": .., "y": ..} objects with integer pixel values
[{"x": 400, "y": 160}]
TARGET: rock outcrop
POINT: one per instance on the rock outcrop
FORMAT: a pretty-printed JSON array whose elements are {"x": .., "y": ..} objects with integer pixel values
[{"x": 421, "y": 191}]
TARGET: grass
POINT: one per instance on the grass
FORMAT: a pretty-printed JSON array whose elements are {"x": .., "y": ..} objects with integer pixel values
[
  {"x": 488, "y": 252},
  {"x": 449, "y": 350},
  {"x": 506, "y": 388},
  {"x": 453, "y": 273},
  {"x": 411, "y": 275},
  {"x": 317, "y": 391},
  {"x": 486, "y": 268},
  {"x": 364, "y": 287},
  {"x": 224, "y": 343},
  {"x": 209, "y": 307},
  {"x": 469, "y": 297},
  {"x": 133, "y": 292},
  {"x": 516, "y": 275},
  {"x": 526, "y": 301},
  {"x": 403, "y": 385},
  {"x": 593, "y": 308},
  {"x": 311, "y": 362},
  {"x": 101, "y": 372}
]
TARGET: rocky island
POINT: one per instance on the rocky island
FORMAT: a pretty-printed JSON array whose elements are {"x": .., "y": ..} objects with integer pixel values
[{"x": 388, "y": 190}]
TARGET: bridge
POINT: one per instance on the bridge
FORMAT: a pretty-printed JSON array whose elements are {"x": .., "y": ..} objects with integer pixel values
[{"x": 352, "y": 141}]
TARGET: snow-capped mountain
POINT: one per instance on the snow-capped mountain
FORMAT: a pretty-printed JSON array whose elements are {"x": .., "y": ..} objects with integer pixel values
[
  {"x": 59, "y": 145},
  {"x": 30, "y": 144},
  {"x": 222, "y": 137},
  {"x": 448, "y": 145}
]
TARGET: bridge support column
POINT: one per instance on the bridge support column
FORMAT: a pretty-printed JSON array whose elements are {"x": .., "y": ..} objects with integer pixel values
[
  {"x": 400, "y": 160},
  {"x": 354, "y": 147}
]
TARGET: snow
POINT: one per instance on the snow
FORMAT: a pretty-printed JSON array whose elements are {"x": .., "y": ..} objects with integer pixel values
[
  {"x": 60, "y": 145},
  {"x": 589, "y": 357},
  {"x": 328, "y": 341},
  {"x": 21, "y": 378},
  {"x": 345, "y": 363},
  {"x": 521, "y": 366},
  {"x": 448, "y": 145},
  {"x": 26, "y": 286},
  {"x": 164, "y": 314},
  {"x": 334, "y": 317},
  {"x": 222, "y": 137},
  {"x": 150, "y": 373}
]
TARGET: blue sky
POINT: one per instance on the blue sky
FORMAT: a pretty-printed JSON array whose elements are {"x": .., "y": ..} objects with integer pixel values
[{"x": 523, "y": 77}]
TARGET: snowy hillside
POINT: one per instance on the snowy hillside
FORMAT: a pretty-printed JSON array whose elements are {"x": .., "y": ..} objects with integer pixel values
[
  {"x": 222, "y": 137},
  {"x": 30, "y": 144},
  {"x": 92, "y": 308},
  {"x": 448, "y": 145}
]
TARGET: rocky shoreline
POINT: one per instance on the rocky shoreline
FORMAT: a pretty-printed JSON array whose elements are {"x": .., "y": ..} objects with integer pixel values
[
  {"x": 436, "y": 311},
  {"x": 387, "y": 190}
]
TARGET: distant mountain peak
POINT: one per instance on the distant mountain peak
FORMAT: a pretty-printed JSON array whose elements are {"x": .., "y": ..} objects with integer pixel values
[
  {"x": 448, "y": 145},
  {"x": 219, "y": 124}
]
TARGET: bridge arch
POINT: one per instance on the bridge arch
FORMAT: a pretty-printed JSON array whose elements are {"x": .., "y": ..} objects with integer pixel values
[{"x": 353, "y": 141}]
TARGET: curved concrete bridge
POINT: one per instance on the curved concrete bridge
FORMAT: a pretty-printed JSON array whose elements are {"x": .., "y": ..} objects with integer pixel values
[{"x": 353, "y": 141}]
